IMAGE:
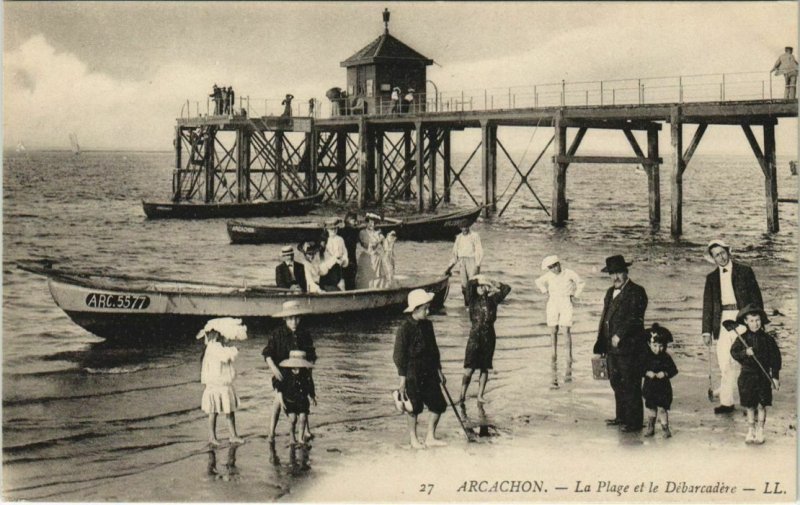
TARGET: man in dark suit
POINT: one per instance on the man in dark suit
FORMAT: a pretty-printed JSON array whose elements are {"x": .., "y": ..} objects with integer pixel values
[
  {"x": 729, "y": 288},
  {"x": 621, "y": 339},
  {"x": 290, "y": 274},
  {"x": 350, "y": 235}
]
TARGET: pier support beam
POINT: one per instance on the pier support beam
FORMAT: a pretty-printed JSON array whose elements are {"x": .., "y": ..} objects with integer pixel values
[
  {"x": 678, "y": 167},
  {"x": 447, "y": 165},
  {"x": 408, "y": 168},
  {"x": 420, "y": 166},
  {"x": 653, "y": 180},
  {"x": 489, "y": 166},
  {"x": 767, "y": 162},
  {"x": 341, "y": 165},
  {"x": 559, "y": 210},
  {"x": 312, "y": 148},
  {"x": 243, "y": 165},
  {"x": 176, "y": 189},
  {"x": 278, "y": 138},
  {"x": 379, "y": 162},
  {"x": 210, "y": 146},
  {"x": 433, "y": 149},
  {"x": 366, "y": 163}
]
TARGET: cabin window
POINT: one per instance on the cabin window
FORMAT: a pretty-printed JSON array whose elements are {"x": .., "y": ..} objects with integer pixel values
[{"x": 369, "y": 88}]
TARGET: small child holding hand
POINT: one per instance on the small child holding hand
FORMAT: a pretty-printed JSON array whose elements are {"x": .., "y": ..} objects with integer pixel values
[
  {"x": 657, "y": 389},
  {"x": 217, "y": 373},
  {"x": 760, "y": 358},
  {"x": 296, "y": 392}
]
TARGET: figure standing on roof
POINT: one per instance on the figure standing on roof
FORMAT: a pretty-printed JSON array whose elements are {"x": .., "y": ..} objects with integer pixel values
[{"x": 787, "y": 66}]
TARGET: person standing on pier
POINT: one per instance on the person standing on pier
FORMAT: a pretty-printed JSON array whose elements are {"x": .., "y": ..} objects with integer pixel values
[
  {"x": 395, "y": 100},
  {"x": 225, "y": 104},
  {"x": 419, "y": 366},
  {"x": 621, "y": 339},
  {"x": 729, "y": 288},
  {"x": 561, "y": 285},
  {"x": 288, "y": 337},
  {"x": 485, "y": 295},
  {"x": 290, "y": 274},
  {"x": 216, "y": 97},
  {"x": 287, "y": 105},
  {"x": 408, "y": 101},
  {"x": 787, "y": 66},
  {"x": 468, "y": 254},
  {"x": 231, "y": 100}
]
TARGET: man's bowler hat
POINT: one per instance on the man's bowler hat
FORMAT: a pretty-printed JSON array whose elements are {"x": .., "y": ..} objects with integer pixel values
[{"x": 616, "y": 264}]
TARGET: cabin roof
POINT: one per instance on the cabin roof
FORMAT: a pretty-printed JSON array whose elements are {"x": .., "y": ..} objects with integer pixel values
[{"x": 385, "y": 48}]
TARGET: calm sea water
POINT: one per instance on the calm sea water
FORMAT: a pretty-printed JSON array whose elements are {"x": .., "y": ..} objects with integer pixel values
[{"x": 78, "y": 413}]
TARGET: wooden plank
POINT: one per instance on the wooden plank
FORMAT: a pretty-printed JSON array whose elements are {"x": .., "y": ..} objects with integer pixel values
[
  {"x": 610, "y": 124},
  {"x": 635, "y": 160},
  {"x": 698, "y": 134},
  {"x": 632, "y": 141},
  {"x": 756, "y": 148}
]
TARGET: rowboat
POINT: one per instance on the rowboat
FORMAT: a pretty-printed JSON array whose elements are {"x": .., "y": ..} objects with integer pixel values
[
  {"x": 269, "y": 208},
  {"x": 418, "y": 228},
  {"x": 122, "y": 307}
]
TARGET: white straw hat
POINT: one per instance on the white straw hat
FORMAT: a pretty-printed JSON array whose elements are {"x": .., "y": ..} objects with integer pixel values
[
  {"x": 287, "y": 251},
  {"x": 714, "y": 243},
  {"x": 297, "y": 359},
  {"x": 292, "y": 308},
  {"x": 549, "y": 261},
  {"x": 418, "y": 297},
  {"x": 229, "y": 327}
]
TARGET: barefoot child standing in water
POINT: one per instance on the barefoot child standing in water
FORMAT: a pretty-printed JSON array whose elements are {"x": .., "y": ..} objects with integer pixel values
[
  {"x": 295, "y": 391},
  {"x": 218, "y": 373},
  {"x": 657, "y": 389},
  {"x": 760, "y": 358}
]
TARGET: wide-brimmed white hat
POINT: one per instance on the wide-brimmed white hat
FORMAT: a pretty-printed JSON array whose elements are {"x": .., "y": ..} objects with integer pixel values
[
  {"x": 482, "y": 280},
  {"x": 550, "y": 261},
  {"x": 372, "y": 216},
  {"x": 297, "y": 359},
  {"x": 292, "y": 308},
  {"x": 230, "y": 328},
  {"x": 716, "y": 242},
  {"x": 418, "y": 297},
  {"x": 333, "y": 222}
]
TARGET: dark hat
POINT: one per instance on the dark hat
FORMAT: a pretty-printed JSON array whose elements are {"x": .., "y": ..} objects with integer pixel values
[
  {"x": 752, "y": 309},
  {"x": 308, "y": 246},
  {"x": 616, "y": 264},
  {"x": 464, "y": 223},
  {"x": 659, "y": 334},
  {"x": 790, "y": 48}
]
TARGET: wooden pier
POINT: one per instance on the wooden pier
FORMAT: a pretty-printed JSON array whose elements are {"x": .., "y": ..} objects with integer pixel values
[{"x": 374, "y": 159}]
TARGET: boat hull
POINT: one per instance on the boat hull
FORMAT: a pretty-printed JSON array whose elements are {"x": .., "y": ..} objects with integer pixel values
[
  {"x": 272, "y": 208},
  {"x": 140, "y": 314},
  {"x": 438, "y": 228}
]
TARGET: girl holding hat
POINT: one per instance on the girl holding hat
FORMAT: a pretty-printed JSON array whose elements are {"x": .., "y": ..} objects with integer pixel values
[
  {"x": 217, "y": 373},
  {"x": 657, "y": 389},
  {"x": 484, "y": 297},
  {"x": 296, "y": 392},
  {"x": 760, "y": 357}
]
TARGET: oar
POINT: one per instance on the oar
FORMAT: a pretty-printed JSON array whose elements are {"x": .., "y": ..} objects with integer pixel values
[
  {"x": 732, "y": 327},
  {"x": 468, "y": 433}
]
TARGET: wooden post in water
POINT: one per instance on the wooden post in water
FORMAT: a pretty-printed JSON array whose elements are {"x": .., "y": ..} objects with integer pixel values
[
  {"x": 176, "y": 195},
  {"x": 771, "y": 177},
  {"x": 433, "y": 148},
  {"x": 210, "y": 147},
  {"x": 653, "y": 179},
  {"x": 420, "y": 162},
  {"x": 341, "y": 165},
  {"x": 489, "y": 166},
  {"x": 678, "y": 167},
  {"x": 278, "y": 138},
  {"x": 243, "y": 165},
  {"x": 312, "y": 148},
  {"x": 447, "y": 165},
  {"x": 363, "y": 163},
  {"x": 380, "y": 158},
  {"x": 408, "y": 171},
  {"x": 559, "y": 213}
]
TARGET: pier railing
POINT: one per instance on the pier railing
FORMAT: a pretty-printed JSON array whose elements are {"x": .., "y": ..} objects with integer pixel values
[{"x": 719, "y": 87}]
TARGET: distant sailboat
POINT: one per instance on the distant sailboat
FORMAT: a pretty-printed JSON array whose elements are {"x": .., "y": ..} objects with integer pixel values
[
  {"x": 73, "y": 139},
  {"x": 21, "y": 147}
]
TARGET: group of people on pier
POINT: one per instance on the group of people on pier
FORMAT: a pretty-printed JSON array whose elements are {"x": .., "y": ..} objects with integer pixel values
[
  {"x": 634, "y": 355},
  {"x": 224, "y": 100},
  {"x": 402, "y": 103}
]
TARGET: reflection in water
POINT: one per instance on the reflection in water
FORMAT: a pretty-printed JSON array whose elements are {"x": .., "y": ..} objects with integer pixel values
[
  {"x": 299, "y": 455},
  {"x": 230, "y": 471}
]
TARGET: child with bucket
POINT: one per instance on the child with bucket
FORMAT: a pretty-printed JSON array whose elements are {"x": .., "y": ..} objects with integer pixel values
[
  {"x": 296, "y": 392},
  {"x": 760, "y": 358},
  {"x": 657, "y": 389},
  {"x": 218, "y": 374}
]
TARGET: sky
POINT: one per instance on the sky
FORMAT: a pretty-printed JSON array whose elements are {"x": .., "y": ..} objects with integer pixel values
[{"x": 117, "y": 73}]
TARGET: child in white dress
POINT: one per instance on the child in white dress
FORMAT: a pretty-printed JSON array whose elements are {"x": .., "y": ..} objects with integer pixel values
[{"x": 218, "y": 374}]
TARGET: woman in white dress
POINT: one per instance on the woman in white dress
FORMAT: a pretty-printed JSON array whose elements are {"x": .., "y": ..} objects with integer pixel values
[{"x": 371, "y": 258}]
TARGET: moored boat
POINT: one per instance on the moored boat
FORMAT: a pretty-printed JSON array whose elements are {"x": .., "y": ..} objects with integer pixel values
[
  {"x": 122, "y": 307},
  {"x": 269, "y": 208},
  {"x": 417, "y": 228}
]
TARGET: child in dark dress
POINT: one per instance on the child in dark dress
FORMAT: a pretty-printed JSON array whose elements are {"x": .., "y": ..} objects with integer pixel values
[
  {"x": 295, "y": 391},
  {"x": 754, "y": 348},
  {"x": 657, "y": 389}
]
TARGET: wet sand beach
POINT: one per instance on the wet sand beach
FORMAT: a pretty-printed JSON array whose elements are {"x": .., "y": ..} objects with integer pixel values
[{"x": 89, "y": 421}]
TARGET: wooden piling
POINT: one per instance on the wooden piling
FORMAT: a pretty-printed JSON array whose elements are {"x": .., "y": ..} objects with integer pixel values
[
  {"x": 312, "y": 148},
  {"x": 379, "y": 170},
  {"x": 653, "y": 179},
  {"x": 278, "y": 139},
  {"x": 420, "y": 165},
  {"x": 341, "y": 165},
  {"x": 771, "y": 178},
  {"x": 363, "y": 163},
  {"x": 209, "y": 165},
  {"x": 559, "y": 212},
  {"x": 433, "y": 149},
  {"x": 243, "y": 165},
  {"x": 447, "y": 168},
  {"x": 176, "y": 196},
  {"x": 678, "y": 167},
  {"x": 408, "y": 167},
  {"x": 489, "y": 166}
]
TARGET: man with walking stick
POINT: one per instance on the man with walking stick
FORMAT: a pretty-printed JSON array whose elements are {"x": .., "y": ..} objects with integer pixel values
[{"x": 729, "y": 288}]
